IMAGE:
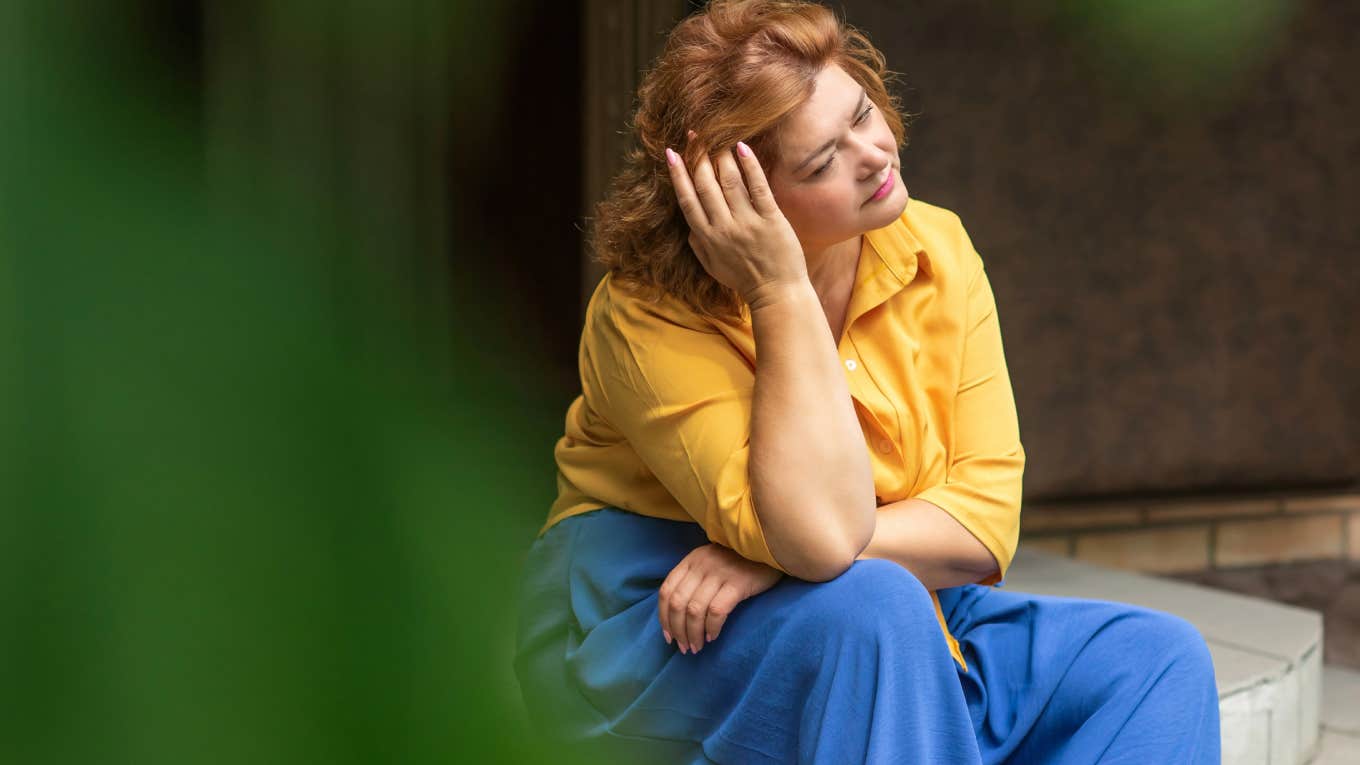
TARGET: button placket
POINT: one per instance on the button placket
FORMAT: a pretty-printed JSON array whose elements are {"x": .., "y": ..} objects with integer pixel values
[
  {"x": 883, "y": 441},
  {"x": 880, "y": 439}
]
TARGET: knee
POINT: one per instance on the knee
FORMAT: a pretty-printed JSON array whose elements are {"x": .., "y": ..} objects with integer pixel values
[
  {"x": 1176, "y": 639},
  {"x": 873, "y": 598}
]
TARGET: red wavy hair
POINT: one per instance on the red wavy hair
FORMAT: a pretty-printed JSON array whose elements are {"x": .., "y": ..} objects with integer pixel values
[{"x": 731, "y": 72}]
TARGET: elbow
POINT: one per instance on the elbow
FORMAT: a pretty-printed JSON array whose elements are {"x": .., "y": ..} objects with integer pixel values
[
  {"x": 820, "y": 569},
  {"x": 818, "y": 540},
  {"x": 987, "y": 567},
  {"x": 830, "y": 555}
]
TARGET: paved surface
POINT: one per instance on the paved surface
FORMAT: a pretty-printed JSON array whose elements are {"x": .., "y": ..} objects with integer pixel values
[
  {"x": 1331, "y": 588},
  {"x": 1340, "y": 743}
]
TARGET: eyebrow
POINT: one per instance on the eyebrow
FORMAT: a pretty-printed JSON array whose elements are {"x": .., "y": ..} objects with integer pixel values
[{"x": 863, "y": 94}]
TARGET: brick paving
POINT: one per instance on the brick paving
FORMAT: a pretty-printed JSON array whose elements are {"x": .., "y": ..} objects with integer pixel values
[{"x": 1329, "y": 587}]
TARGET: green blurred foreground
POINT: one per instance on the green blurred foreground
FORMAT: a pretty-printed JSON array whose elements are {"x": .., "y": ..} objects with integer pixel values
[{"x": 250, "y": 510}]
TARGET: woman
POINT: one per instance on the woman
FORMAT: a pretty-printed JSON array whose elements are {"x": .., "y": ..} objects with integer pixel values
[{"x": 794, "y": 471}]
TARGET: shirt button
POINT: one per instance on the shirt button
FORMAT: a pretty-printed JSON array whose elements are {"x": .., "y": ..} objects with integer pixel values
[
  {"x": 884, "y": 446},
  {"x": 850, "y": 364}
]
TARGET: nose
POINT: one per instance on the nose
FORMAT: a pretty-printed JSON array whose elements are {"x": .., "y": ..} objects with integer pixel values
[
  {"x": 873, "y": 158},
  {"x": 874, "y": 164}
]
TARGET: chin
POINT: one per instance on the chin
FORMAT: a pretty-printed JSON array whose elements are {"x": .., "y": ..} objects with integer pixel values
[{"x": 889, "y": 210}]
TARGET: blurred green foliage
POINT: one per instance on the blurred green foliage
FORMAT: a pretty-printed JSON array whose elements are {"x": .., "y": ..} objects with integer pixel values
[
  {"x": 1172, "y": 54},
  {"x": 250, "y": 510}
]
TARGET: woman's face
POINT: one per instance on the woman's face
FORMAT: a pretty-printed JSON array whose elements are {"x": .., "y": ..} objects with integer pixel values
[{"x": 836, "y": 151}]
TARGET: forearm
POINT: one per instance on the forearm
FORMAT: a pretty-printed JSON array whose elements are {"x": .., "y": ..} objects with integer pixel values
[
  {"x": 929, "y": 543},
  {"x": 811, "y": 482}
]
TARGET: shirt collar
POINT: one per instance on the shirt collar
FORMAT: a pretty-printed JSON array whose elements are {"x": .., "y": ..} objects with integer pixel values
[
  {"x": 890, "y": 258},
  {"x": 896, "y": 249}
]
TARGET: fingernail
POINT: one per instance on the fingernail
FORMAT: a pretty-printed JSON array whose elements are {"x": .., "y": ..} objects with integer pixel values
[
  {"x": 668, "y": 636},
  {"x": 743, "y": 149},
  {"x": 671, "y": 157},
  {"x": 708, "y": 637}
]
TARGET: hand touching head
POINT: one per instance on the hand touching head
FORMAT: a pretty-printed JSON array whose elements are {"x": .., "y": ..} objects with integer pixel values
[{"x": 783, "y": 77}]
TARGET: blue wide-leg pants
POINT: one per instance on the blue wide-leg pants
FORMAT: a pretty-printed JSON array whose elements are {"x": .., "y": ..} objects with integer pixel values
[{"x": 854, "y": 670}]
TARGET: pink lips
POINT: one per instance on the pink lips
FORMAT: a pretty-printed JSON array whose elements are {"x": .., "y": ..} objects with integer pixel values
[{"x": 885, "y": 189}]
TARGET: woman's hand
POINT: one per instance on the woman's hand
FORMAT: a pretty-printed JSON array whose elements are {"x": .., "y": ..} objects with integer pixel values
[
  {"x": 702, "y": 590},
  {"x": 736, "y": 229}
]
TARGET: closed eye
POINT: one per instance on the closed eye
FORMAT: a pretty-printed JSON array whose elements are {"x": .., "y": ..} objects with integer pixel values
[{"x": 863, "y": 115}]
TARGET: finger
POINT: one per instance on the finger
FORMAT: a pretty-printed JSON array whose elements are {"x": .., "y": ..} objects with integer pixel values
[
  {"x": 696, "y": 613},
  {"x": 757, "y": 185},
  {"x": 732, "y": 184},
  {"x": 679, "y": 601},
  {"x": 662, "y": 598},
  {"x": 665, "y": 595},
  {"x": 724, "y": 602},
  {"x": 707, "y": 189},
  {"x": 689, "y": 203}
]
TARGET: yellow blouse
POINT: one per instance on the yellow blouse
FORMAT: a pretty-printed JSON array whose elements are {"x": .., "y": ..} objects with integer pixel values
[{"x": 662, "y": 427}]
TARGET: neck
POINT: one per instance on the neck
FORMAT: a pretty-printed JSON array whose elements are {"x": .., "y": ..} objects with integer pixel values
[{"x": 831, "y": 267}]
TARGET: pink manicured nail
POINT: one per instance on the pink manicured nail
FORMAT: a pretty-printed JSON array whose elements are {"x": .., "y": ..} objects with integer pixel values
[
  {"x": 671, "y": 157},
  {"x": 743, "y": 149},
  {"x": 708, "y": 637},
  {"x": 668, "y": 636}
]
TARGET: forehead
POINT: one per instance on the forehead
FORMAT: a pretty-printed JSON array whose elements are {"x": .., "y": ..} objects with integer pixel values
[{"x": 821, "y": 117}]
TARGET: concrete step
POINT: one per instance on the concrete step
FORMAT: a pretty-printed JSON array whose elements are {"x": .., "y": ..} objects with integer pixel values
[
  {"x": 1340, "y": 743},
  {"x": 1267, "y": 655}
]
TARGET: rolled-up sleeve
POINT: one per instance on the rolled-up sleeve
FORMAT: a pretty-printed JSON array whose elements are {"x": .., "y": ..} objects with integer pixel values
[
  {"x": 986, "y": 467},
  {"x": 682, "y": 399}
]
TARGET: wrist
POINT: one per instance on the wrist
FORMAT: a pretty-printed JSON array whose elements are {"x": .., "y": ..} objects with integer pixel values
[{"x": 776, "y": 293}]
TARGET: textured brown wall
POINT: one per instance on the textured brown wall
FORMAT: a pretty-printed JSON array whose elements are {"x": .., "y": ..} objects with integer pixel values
[{"x": 1172, "y": 240}]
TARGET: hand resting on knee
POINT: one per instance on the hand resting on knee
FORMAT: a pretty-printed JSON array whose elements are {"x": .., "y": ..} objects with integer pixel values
[{"x": 703, "y": 589}]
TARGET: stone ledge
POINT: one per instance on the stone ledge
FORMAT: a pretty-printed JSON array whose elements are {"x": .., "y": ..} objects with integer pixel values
[
  {"x": 1341, "y": 502},
  {"x": 1188, "y": 535},
  {"x": 1267, "y": 656},
  {"x": 1156, "y": 550},
  {"x": 1273, "y": 540}
]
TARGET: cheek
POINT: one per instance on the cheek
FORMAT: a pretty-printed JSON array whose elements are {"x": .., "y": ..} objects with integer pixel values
[
  {"x": 805, "y": 212},
  {"x": 816, "y": 205},
  {"x": 793, "y": 205},
  {"x": 820, "y": 212},
  {"x": 835, "y": 201}
]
